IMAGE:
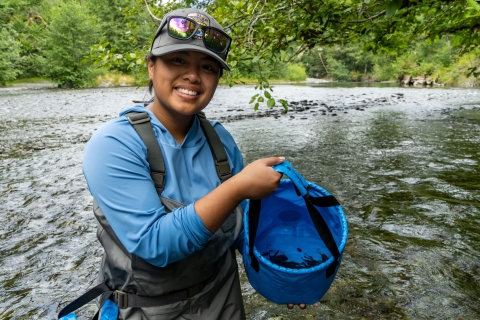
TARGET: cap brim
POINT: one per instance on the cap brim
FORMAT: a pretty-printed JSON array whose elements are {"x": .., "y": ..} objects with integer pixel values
[{"x": 160, "y": 51}]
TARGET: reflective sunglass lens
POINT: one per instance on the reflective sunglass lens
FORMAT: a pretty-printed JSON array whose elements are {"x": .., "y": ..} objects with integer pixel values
[
  {"x": 216, "y": 40},
  {"x": 181, "y": 28}
]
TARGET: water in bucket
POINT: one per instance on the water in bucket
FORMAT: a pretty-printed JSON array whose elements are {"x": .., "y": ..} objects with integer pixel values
[{"x": 292, "y": 242}]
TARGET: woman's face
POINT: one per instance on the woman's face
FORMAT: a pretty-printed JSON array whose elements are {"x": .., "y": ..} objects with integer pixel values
[{"x": 184, "y": 81}]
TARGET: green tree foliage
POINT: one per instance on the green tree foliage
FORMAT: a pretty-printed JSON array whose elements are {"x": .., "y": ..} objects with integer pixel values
[
  {"x": 26, "y": 18},
  {"x": 127, "y": 29},
  {"x": 10, "y": 55},
  {"x": 270, "y": 35},
  {"x": 71, "y": 32},
  {"x": 296, "y": 72},
  {"x": 338, "y": 62},
  {"x": 337, "y": 69},
  {"x": 386, "y": 68},
  {"x": 281, "y": 29}
]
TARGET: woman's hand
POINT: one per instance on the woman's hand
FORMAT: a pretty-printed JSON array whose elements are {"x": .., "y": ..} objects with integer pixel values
[
  {"x": 301, "y": 305},
  {"x": 258, "y": 180}
]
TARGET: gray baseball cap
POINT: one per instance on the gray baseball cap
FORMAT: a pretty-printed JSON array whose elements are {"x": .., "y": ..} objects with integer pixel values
[{"x": 164, "y": 44}]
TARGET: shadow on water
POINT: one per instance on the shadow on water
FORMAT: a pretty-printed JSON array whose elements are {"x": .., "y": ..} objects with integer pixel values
[{"x": 403, "y": 162}]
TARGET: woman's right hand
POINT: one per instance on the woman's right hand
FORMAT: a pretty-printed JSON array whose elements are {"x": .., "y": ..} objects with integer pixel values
[{"x": 258, "y": 180}]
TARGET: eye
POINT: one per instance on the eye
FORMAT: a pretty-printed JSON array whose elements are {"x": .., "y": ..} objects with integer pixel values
[
  {"x": 178, "y": 60},
  {"x": 210, "y": 68}
]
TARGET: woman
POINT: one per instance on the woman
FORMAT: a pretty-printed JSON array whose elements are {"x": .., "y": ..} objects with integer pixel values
[
  {"x": 169, "y": 187},
  {"x": 169, "y": 237}
]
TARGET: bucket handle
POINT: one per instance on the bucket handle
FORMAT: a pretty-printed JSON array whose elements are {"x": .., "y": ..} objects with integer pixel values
[
  {"x": 302, "y": 187},
  {"x": 287, "y": 169}
]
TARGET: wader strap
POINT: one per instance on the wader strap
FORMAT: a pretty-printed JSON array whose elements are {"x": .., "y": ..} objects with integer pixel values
[
  {"x": 130, "y": 300},
  {"x": 216, "y": 146},
  {"x": 317, "y": 219},
  {"x": 141, "y": 124},
  {"x": 88, "y": 296}
]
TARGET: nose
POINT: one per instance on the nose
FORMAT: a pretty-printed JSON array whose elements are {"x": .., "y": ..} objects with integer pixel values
[{"x": 191, "y": 74}]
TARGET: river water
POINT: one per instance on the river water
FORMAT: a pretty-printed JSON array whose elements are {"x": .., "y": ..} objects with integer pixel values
[{"x": 404, "y": 163}]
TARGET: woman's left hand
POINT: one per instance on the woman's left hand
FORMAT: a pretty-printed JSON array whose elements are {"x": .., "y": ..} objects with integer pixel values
[{"x": 301, "y": 305}]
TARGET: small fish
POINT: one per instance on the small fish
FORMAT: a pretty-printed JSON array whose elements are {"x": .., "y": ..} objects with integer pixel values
[
  {"x": 299, "y": 250},
  {"x": 309, "y": 262}
]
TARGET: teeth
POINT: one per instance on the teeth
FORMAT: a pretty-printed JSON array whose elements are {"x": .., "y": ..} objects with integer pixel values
[{"x": 192, "y": 93}]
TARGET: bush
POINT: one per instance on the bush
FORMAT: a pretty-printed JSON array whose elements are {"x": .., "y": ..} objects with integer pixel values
[
  {"x": 32, "y": 65},
  {"x": 296, "y": 72},
  {"x": 385, "y": 69},
  {"x": 72, "y": 31},
  {"x": 456, "y": 74},
  {"x": 10, "y": 55},
  {"x": 337, "y": 70}
]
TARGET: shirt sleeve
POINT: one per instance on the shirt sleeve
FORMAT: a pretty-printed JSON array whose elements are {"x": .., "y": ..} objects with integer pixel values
[{"x": 118, "y": 177}]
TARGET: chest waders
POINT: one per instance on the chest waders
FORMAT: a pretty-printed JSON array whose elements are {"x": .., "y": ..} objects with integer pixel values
[{"x": 131, "y": 282}]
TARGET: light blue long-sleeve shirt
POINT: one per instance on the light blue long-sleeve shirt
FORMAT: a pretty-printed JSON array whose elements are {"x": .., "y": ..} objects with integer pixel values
[{"x": 118, "y": 177}]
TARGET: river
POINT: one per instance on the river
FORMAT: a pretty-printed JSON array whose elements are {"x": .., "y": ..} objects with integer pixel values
[{"x": 403, "y": 162}]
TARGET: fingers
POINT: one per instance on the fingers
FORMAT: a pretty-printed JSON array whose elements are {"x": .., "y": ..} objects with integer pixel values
[
  {"x": 301, "y": 305},
  {"x": 273, "y": 161}
]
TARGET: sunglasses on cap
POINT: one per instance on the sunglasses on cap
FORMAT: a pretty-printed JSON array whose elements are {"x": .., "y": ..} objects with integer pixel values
[{"x": 184, "y": 28}]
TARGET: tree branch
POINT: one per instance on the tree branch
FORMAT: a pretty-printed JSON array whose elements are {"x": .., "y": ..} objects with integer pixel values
[
  {"x": 368, "y": 19},
  {"x": 150, "y": 12}
]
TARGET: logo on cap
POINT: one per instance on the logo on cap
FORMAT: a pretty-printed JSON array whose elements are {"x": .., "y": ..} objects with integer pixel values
[{"x": 201, "y": 19}]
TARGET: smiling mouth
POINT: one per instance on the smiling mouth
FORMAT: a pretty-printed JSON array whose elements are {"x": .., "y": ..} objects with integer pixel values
[{"x": 191, "y": 93}]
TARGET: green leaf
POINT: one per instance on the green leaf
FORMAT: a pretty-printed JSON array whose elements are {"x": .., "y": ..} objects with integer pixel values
[
  {"x": 474, "y": 4},
  {"x": 256, "y": 58},
  {"x": 267, "y": 95},
  {"x": 271, "y": 103},
  {"x": 398, "y": 3},
  {"x": 391, "y": 9},
  {"x": 367, "y": 1},
  {"x": 133, "y": 55},
  {"x": 284, "y": 104},
  {"x": 260, "y": 99},
  {"x": 256, "y": 106}
]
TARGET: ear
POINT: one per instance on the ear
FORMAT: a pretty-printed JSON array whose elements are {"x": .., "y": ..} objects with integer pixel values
[{"x": 151, "y": 68}]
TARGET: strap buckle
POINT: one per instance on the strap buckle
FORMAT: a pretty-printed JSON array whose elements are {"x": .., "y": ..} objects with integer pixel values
[
  {"x": 121, "y": 299},
  {"x": 138, "y": 118},
  {"x": 158, "y": 179},
  {"x": 223, "y": 168}
]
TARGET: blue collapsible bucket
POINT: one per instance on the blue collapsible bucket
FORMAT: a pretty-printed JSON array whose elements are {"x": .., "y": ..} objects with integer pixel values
[{"x": 294, "y": 240}]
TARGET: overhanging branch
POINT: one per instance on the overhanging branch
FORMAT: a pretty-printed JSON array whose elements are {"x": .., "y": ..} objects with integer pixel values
[{"x": 369, "y": 19}]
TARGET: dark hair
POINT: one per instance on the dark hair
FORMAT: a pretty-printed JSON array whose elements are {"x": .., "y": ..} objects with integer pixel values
[{"x": 151, "y": 57}]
